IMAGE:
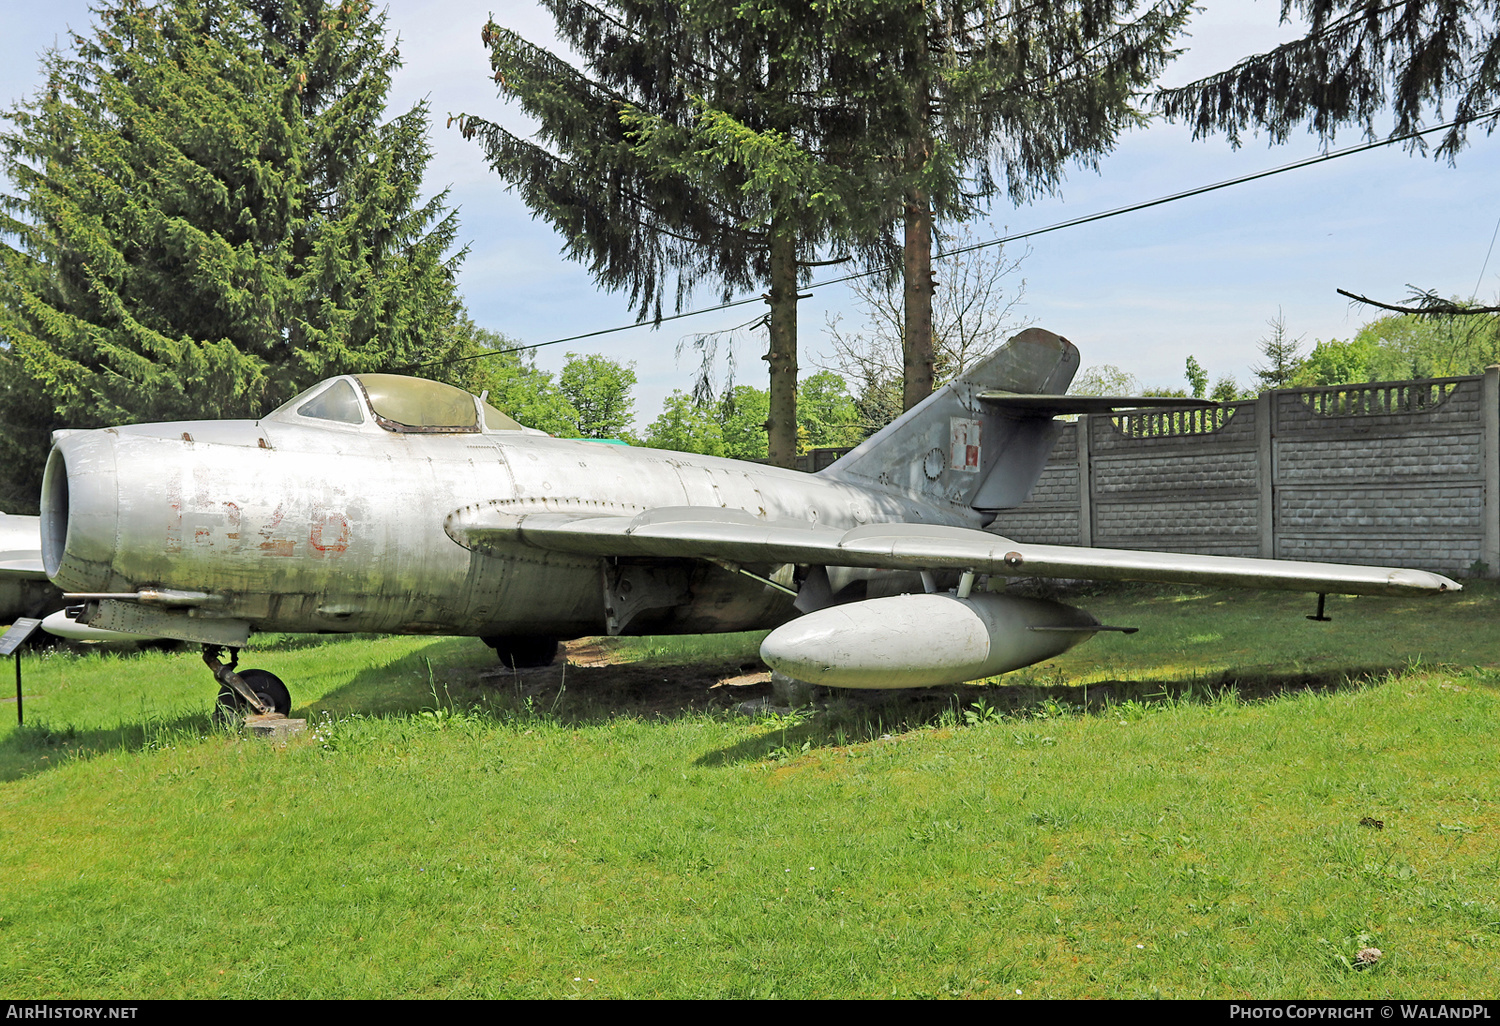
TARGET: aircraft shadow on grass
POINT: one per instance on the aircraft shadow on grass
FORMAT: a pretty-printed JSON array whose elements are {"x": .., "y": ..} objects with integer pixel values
[
  {"x": 862, "y": 717},
  {"x": 38, "y": 745},
  {"x": 585, "y": 695},
  {"x": 444, "y": 676}
]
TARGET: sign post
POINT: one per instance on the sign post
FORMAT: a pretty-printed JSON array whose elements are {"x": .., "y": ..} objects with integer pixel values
[{"x": 10, "y": 643}]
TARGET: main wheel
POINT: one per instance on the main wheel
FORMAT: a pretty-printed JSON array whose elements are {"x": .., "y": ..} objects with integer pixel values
[
  {"x": 522, "y": 650},
  {"x": 267, "y": 687}
]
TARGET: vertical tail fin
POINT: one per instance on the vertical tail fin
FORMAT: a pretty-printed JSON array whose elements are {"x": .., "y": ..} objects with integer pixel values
[{"x": 952, "y": 450}]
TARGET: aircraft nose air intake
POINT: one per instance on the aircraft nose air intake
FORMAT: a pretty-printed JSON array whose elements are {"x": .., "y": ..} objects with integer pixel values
[{"x": 80, "y": 511}]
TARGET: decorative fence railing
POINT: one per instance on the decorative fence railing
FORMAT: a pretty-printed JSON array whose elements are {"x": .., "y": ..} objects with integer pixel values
[
  {"x": 1380, "y": 398},
  {"x": 1200, "y": 420}
]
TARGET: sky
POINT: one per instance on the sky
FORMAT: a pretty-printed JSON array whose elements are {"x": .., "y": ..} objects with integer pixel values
[{"x": 1141, "y": 291}]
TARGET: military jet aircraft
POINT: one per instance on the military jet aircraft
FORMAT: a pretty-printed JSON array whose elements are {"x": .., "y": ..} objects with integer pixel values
[{"x": 375, "y": 502}]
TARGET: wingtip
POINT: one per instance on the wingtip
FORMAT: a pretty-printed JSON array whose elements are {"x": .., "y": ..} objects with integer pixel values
[{"x": 1446, "y": 584}]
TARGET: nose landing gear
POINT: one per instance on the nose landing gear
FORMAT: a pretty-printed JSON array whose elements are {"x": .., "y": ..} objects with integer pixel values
[{"x": 246, "y": 693}]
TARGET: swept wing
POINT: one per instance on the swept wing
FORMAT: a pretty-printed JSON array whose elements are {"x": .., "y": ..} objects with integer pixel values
[{"x": 739, "y": 537}]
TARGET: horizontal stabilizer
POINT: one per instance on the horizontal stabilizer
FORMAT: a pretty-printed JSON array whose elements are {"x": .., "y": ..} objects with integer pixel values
[
  {"x": 1022, "y": 404},
  {"x": 689, "y": 532}
]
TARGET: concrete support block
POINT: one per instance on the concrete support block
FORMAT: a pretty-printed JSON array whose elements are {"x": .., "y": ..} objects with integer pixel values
[{"x": 274, "y": 727}]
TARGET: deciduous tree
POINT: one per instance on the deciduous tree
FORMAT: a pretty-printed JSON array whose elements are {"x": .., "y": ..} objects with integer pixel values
[
  {"x": 1104, "y": 379},
  {"x": 743, "y": 410},
  {"x": 685, "y": 425},
  {"x": 973, "y": 313},
  {"x": 826, "y": 413},
  {"x": 1197, "y": 377},
  {"x": 599, "y": 389},
  {"x": 1406, "y": 346},
  {"x": 512, "y": 382}
]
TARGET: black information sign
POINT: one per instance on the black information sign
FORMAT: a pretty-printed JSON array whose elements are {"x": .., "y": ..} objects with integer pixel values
[
  {"x": 11, "y": 641},
  {"x": 17, "y": 635}
]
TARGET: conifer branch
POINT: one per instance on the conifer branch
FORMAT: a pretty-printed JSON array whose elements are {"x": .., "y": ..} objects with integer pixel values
[{"x": 1425, "y": 304}]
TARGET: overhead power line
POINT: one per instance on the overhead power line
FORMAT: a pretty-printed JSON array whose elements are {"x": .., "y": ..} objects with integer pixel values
[
  {"x": 1059, "y": 226},
  {"x": 1485, "y": 266}
]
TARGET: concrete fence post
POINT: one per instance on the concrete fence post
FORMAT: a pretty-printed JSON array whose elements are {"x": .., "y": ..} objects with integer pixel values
[
  {"x": 1490, "y": 450},
  {"x": 1085, "y": 484},
  {"x": 1265, "y": 470}
]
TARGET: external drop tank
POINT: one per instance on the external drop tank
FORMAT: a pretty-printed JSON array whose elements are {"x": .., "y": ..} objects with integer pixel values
[{"x": 912, "y": 641}]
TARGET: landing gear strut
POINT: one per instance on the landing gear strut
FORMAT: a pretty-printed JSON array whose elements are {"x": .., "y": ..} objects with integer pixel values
[{"x": 247, "y": 692}]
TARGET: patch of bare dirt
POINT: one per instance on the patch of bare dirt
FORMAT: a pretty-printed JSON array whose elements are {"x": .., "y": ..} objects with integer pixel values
[
  {"x": 586, "y": 672},
  {"x": 587, "y": 652}
]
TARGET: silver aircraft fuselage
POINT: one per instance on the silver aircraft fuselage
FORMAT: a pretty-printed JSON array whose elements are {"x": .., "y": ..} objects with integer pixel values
[
  {"x": 300, "y": 525},
  {"x": 382, "y": 503}
]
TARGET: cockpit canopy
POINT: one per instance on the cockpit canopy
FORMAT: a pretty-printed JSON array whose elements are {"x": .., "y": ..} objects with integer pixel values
[{"x": 396, "y": 403}]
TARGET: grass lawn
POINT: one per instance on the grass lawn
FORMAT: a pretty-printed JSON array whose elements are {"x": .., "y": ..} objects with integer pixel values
[{"x": 1233, "y": 803}]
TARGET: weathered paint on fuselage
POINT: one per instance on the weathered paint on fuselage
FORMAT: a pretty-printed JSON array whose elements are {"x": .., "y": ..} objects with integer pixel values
[{"x": 322, "y": 526}]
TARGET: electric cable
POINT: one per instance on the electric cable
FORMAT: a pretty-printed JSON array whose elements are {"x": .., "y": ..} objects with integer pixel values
[
  {"x": 1060, "y": 225},
  {"x": 1485, "y": 266}
]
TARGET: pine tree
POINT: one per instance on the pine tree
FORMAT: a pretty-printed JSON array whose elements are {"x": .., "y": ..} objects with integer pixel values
[
  {"x": 696, "y": 145},
  {"x": 1357, "y": 59},
  {"x": 732, "y": 139},
  {"x": 1001, "y": 97},
  {"x": 210, "y": 212},
  {"x": 1283, "y": 355}
]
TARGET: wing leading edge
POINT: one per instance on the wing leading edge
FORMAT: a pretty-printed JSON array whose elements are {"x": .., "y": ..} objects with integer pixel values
[{"x": 693, "y": 532}]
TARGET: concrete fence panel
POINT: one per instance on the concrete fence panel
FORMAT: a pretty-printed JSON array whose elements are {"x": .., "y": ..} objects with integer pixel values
[{"x": 1392, "y": 473}]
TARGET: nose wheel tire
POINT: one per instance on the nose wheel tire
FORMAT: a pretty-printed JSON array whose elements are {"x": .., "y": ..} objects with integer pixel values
[{"x": 267, "y": 687}]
